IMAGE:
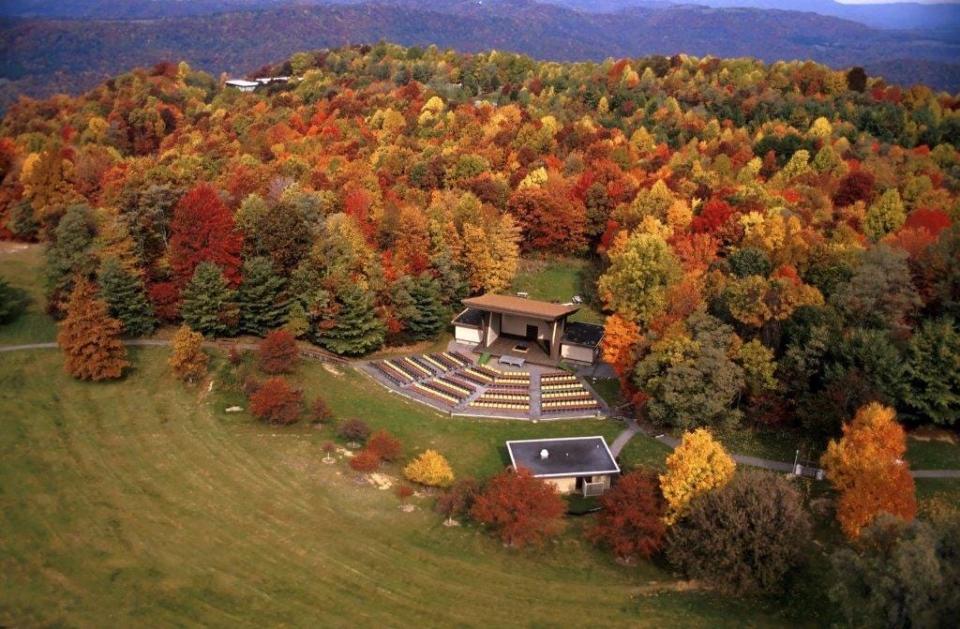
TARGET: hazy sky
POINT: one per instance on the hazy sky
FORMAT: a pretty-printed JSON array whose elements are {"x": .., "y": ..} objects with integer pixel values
[{"x": 892, "y": 1}]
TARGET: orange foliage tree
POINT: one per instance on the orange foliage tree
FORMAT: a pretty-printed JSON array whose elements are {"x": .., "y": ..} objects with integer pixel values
[
  {"x": 90, "y": 337},
  {"x": 520, "y": 509},
  {"x": 866, "y": 467},
  {"x": 385, "y": 445},
  {"x": 188, "y": 360}
]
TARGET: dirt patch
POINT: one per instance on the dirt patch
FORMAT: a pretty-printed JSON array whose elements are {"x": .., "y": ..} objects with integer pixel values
[
  {"x": 654, "y": 588},
  {"x": 332, "y": 370},
  {"x": 7, "y": 247},
  {"x": 380, "y": 481}
]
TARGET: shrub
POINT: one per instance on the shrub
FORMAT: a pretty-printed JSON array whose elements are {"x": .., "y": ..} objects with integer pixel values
[
  {"x": 404, "y": 492},
  {"x": 278, "y": 352},
  {"x": 251, "y": 385},
  {"x": 631, "y": 522},
  {"x": 458, "y": 500},
  {"x": 520, "y": 509},
  {"x": 187, "y": 359},
  {"x": 365, "y": 461},
  {"x": 385, "y": 445},
  {"x": 354, "y": 430},
  {"x": 320, "y": 413},
  {"x": 744, "y": 537},
  {"x": 235, "y": 356},
  {"x": 430, "y": 468},
  {"x": 277, "y": 402}
]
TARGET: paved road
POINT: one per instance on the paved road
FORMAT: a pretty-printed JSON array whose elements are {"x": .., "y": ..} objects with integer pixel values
[{"x": 633, "y": 429}]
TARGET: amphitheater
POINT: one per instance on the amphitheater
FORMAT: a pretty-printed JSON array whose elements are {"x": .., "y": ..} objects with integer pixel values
[{"x": 453, "y": 382}]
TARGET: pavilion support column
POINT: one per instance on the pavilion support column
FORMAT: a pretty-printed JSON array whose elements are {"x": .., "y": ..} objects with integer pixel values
[{"x": 555, "y": 340}]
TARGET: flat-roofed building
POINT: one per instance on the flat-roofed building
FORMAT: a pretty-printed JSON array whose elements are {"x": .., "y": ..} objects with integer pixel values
[{"x": 582, "y": 465}]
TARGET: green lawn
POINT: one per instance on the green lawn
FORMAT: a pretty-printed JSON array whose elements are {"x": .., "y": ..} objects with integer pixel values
[
  {"x": 557, "y": 280},
  {"x": 140, "y": 502},
  {"x": 21, "y": 266},
  {"x": 933, "y": 455}
]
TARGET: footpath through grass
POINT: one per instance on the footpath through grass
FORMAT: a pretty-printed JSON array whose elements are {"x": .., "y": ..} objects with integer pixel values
[{"x": 140, "y": 502}]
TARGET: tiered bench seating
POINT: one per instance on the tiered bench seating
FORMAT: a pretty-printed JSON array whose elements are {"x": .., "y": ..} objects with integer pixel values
[
  {"x": 563, "y": 392},
  {"x": 416, "y": 368},
  {"x": 460, "y": 358},
  {"x": 511, "y": 377},
  {"x": 485, "y": 402},
  {"x": 403, "y": 366},
  {"x": 441, "y": 362},
  {"x": 476, "y": 374},
  {"x": 457, "y": 385},
  {"x": 392, "y": 373}
]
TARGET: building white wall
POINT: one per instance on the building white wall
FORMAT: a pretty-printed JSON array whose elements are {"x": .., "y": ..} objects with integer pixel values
[
  {"x": 517, "y": 326},
  {"x": 464, "y": 334},
  {"x": 577, "y": 352},
  {"x": 564, "y": 485}
]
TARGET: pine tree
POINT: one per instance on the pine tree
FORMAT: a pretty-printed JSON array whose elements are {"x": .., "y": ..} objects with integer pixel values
[
  {"x": 126, "y": 297},
  {"x": 261, "y": 298},
  {"x": 355, "y": 328},
  {"x": 427, "y": 319},
  {"x": 208, "y": 302},
  {"x": 89, "y": 337},
  {"x": 69, "y": 254}
]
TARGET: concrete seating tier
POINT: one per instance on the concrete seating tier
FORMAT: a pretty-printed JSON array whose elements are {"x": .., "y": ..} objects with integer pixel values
[
  {"x": 443, "y": 398},
  {"x": 441, "y": 362},
  {"x": 558, "y": 378},
  {"x": 500, "y": 395},
  {"x": 442, "y": 389},
  {"x": 582, "y": 394},
  {"x": 570, "y": 405},
  {"x": 456, "y": 385}
]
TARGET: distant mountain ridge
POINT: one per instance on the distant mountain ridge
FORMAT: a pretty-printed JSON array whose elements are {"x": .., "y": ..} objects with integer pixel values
[{"x": 45, "y": 55}]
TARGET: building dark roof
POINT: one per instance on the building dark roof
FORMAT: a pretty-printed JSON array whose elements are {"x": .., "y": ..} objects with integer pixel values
[
  {"x": 509, "y": 304},
  {"x": 567, "y": 456},
  {"x": 585, "y": 334},
  {"x": 470, "y": 317}
]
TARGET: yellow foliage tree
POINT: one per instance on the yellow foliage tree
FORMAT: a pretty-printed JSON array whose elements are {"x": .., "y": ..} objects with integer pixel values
[
  {"x": 698, "y": 465},
  {"x": 188, "y": 360},
  {"x": 431, "y": 469}
]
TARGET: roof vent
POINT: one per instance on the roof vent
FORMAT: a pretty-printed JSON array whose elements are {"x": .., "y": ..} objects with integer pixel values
[{"x": 544, "y": 454}]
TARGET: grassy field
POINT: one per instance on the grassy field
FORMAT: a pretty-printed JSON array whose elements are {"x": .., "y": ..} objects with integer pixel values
[
  {"x": 140, "y": 502},
  {"x": 557, "y": 280},
  {"x": 20, "y": 266}
]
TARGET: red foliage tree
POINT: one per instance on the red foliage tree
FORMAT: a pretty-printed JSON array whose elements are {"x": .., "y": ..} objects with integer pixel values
[
  {"x": 203, "y": 231},
  {"x": 277, "y": 402},
  {"x": 385, "y": 445},
  {"x": 365, "y": 461},
  {"x": 165, "y": 298},
  {"x": 631, "y": 523},
  {"x": 277, "y": 352},
  {"x": 320, "y": 412},
  {"x": 715, "y": 213},
  {"x": 520, "y": 509},
  {"x": 933, "y": 221},
  {"x": 855, "y": 186}
]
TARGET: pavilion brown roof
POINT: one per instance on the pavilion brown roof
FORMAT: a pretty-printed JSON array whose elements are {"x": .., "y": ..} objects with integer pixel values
[{"x": 509, "y": 304}]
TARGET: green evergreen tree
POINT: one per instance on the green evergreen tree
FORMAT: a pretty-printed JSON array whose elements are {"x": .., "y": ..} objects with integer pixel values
[
  {"x": 69, "y": 254},
  {"x": 262, "y": 300},
  {"x": 933, "y": 372},
  {"x": 208, "y": 302},
  {"x": 13, "y": 301},
  {"x": 354, "y": 328},
  {"x": 298, "y": 321},
  {"x": 428, "y": 312},
  {"x": 126, "y": 298}
]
